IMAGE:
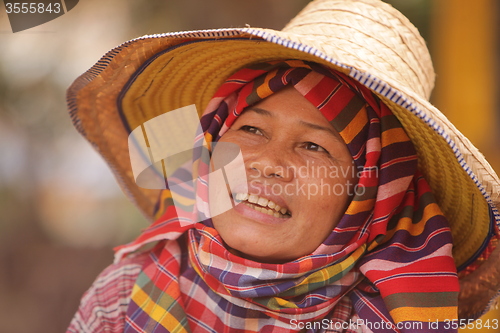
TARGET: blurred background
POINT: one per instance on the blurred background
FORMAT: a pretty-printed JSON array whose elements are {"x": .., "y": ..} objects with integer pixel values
[{"x": 61, "y": 212}]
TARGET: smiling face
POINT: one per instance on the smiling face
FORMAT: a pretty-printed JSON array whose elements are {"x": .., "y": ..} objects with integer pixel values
[{"x": 300, "y": 178}]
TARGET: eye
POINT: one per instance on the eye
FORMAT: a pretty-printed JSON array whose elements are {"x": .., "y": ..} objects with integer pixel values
[
  {"x": 251, "y": 129},
  {"x": 315, "y": 147}
]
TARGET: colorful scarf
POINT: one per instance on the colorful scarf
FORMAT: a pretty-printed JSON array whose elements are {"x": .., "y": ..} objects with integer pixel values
[{"x": 386, "y": 266}]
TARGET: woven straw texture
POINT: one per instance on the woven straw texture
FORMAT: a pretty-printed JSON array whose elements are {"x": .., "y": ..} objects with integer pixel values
[{"x": 366, "y": 39}]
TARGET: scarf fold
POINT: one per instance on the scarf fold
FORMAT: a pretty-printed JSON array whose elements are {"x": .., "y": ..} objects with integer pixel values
[{"x": 387, "y": 261}]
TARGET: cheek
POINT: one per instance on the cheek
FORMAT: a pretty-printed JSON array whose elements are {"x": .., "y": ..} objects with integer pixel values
[
  {"x": 225, "y": 226},
  {"x": 326, "y": 199},
  {"x": 218, "y": 197},
  {"x": 219, "y": 222},
  {"x": 330, "y": 184}
]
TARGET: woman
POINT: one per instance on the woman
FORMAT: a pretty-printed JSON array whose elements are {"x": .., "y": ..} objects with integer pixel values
[{"x": 350, "y": 185}]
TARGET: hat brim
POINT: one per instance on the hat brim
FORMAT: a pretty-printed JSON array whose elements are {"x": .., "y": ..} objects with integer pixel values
[{"x": 149, "y": 76}]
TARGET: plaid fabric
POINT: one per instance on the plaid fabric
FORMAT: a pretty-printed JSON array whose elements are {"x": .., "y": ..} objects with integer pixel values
[
  {"x": 103, "y": 307},
  {"x": 388, "y": 261}
]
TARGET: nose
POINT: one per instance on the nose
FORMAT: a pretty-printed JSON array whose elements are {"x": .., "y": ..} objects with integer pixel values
[{"x": 271, "y": 160}]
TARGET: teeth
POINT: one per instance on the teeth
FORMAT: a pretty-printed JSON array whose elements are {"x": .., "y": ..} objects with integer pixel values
[
  {"x": 241, "y": 196},
  {"x": 253, "y": 198},
  {"x": 263, "y": 204}
]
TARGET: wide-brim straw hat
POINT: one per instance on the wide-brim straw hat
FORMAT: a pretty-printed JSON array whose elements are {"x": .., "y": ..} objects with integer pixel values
[{"x": 365, "y": 39}]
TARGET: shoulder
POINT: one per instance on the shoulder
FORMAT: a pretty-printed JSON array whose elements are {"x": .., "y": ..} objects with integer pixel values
[{"x": 103, "y": 307}]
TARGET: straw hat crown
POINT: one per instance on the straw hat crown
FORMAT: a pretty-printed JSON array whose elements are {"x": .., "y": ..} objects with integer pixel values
[{"x": 369, "y": 35}]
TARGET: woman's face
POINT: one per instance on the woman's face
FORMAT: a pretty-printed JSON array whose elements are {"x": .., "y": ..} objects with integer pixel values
[{"x": 300, "y": 178}]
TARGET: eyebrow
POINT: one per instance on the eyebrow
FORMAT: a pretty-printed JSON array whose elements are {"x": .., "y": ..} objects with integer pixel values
[
  {"x": 258, "y": 111},
  {"x": 303, "y": 123}
]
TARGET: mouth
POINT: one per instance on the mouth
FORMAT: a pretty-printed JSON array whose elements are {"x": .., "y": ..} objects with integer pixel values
[{"x": 262, "y": 205}]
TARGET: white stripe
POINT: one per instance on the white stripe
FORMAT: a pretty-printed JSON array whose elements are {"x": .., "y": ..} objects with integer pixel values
[{"x": 387, "y": 265}]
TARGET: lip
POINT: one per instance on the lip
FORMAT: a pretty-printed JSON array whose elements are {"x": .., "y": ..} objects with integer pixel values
[{"x": 254, "y": 215}]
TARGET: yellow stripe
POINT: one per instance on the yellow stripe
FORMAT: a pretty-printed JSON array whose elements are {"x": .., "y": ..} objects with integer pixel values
[
  {"x": 155, "y": 311},
  {"x": 164, "y": 195},
  {"x": 184, "y": 200},
  {"x": 354, "y": 127},
  {"x": 208, "y": 137},
  {"x": 359, "y": 206},
  {"x": 424, "y": 314},
  {"x": 264, "y": 90},
  {"x": 165, "y": 319},
  {"x": 333, "y": 270},
  {"x": 393, "y": 135},
  {"x": 320, "y": 276},
  {"x": 285, "y": 303},
  {"x": 144, "y": 301},
  {"x": 416, "y": 229},
  {"x": 139, "y": 296},
  {"x": 374, "y": 244},
  {"x": 316, "y": 277}
]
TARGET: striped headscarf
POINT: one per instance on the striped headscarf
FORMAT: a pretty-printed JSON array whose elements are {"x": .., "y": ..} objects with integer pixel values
[{"x": 386, "y": 266}]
